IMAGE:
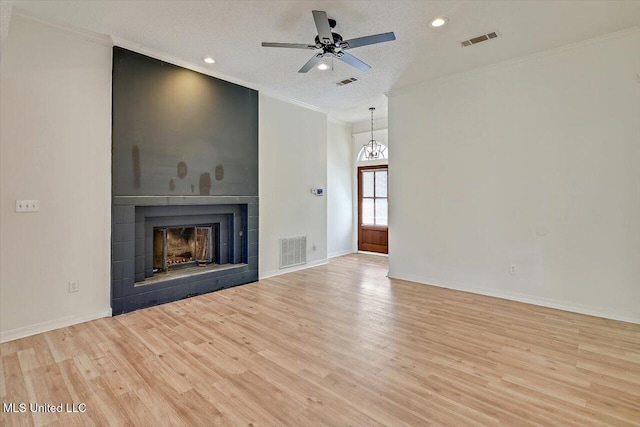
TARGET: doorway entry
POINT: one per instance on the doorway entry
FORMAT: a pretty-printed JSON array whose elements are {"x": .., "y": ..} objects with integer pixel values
[{"x": 373, "y": 230}]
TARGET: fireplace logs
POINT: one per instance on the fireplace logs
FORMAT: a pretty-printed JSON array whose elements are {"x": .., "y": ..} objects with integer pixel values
[{"x": 182, "y": 246}]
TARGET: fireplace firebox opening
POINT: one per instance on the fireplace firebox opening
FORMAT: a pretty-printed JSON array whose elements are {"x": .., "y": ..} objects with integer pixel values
[{"x": 177, "y": 247}]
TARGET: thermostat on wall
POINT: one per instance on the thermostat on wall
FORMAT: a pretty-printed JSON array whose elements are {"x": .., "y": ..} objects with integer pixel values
[{"x": 317, "y": 191}]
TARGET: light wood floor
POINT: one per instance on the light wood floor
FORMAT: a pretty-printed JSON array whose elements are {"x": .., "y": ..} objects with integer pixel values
[{"x": 335, "y": 345}]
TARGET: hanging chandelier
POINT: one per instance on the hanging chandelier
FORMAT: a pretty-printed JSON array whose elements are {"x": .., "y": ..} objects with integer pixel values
[{"x": 373, "y": 150}]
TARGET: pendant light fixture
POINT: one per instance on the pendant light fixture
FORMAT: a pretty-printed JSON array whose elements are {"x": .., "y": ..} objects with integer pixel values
[{"x": 373, "y": 150}]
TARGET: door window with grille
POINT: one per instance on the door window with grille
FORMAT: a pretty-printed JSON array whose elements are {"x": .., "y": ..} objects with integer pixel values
[{"x": 374, "y": 197}]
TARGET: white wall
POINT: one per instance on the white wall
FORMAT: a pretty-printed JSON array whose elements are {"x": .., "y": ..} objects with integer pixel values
[
  {"x": 55, "y": 146},
  {"x": 293, "y": 159},
  {"x": 534, "y": 162},
  {"x": 339, "y": 189}
]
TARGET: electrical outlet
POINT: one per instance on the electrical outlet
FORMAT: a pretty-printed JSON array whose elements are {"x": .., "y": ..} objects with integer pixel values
[
  {"x": 27, "y": 205},
  {"x": 74, "y": 286},
  {"x": 514, "y": 269}
]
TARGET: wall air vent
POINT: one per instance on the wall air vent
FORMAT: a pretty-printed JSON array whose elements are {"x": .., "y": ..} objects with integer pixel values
[
  {"x": 480, "y": 39},
  {"x": 293, "y": 251},
  {"x": 347, "y": 81}
]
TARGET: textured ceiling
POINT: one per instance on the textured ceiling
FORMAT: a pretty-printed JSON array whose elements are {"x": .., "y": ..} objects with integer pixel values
[{"x": 231, "y": 32}]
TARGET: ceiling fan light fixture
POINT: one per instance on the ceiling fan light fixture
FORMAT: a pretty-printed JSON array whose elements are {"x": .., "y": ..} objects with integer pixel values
[
  {"x": 209, "y": 60},
  {"x": 331, "y": 45},
  {"x": 438, "y": 22},
  {"x": 323, "y": 67}
]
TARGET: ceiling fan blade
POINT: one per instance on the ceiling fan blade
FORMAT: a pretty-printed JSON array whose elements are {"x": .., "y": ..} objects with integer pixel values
[
  {"x": 367, "y": 40},
  {"x": 322, "y": 24},
  {"x": 310, "y": 63},
  {"x": 290, "y": 45},
  {"x": 353, "y": 61}
]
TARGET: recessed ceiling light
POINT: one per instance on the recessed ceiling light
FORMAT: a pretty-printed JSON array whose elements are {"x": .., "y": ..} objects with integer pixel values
[
  {"x": 209, "y": 60},
  {"x": 323, "y": 67},
  {"x": 439, "y": 22}
]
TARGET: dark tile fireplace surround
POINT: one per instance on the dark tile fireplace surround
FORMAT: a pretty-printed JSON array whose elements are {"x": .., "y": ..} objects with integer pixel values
[{"x": 135, "y": 285}]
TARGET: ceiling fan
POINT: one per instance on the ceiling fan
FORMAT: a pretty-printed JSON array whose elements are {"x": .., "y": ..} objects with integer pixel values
[{"x": 331, "y": 44}]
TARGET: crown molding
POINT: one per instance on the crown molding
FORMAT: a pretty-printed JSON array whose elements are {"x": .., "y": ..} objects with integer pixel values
[
  {"x": 79, "y": 32},
  {"x": 111, "y": 40},
  {"x": 331, "y": 119},
  {"x": 171, "y": 59},
  {"x": 281, "y": 97},
  {"x": 365, "y": 126},
  {"x": 629, "y": 32},
  {"x": 135, "y": 47}
]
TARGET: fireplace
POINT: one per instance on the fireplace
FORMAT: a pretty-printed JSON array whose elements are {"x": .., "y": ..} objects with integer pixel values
[
  {"x": 185, "y": 186},
  {"x": 180, "y": 247},
  {"x": 164, "y": 249}
]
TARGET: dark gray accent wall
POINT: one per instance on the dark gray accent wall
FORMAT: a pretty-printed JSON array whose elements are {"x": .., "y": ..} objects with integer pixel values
[
  {"x": 179, "y": 132},
  {"x": 184, "y": 152}
]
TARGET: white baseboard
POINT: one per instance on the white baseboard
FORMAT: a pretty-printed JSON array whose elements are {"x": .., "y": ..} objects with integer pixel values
[
  {"x": 339, "y": 253},
  {"x": 273, "y": 273},
  {"x": 25, "y": 331},
  {"x": 514, "y": 296}
]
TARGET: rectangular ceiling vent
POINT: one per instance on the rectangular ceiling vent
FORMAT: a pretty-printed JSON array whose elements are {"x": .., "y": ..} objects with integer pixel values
[
  {"x": 480, "y": 39},
  {"x": 347, "y": 81},
  {"x": 293, "y": 251}
]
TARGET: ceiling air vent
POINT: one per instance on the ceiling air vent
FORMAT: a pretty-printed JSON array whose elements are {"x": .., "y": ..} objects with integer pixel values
[
  {"x": 347, "y": 81},
  {"x": 480, "y": 39}
]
